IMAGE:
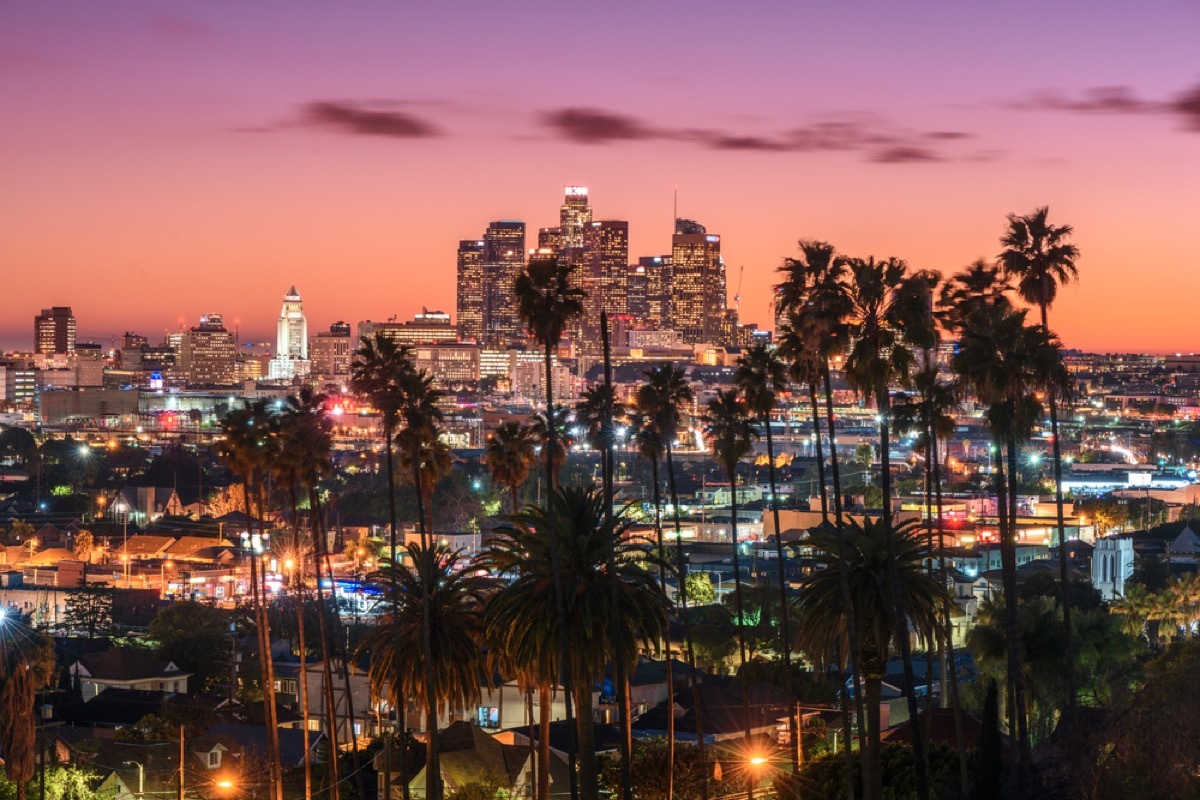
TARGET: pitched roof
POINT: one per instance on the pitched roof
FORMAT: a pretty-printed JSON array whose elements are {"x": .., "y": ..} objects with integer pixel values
[
  {"x": 127, "y": 664},
  {"x": 193, "y": 546}
]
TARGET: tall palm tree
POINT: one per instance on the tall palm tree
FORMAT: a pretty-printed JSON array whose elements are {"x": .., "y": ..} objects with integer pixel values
[
  {"x": 26, "y": 665},
  {"x": 441, "y": 594},
  {"x": 651, "y": 445},
  {"x": 662, "y": 399},
  {"x": 379, "y": 372},
  {"x": 1039, "y": 258},
  {"x": 248, "y": 446},
  {"x": 547, "y": 301},
  {"x": 1002, "y": 361},
  {"x": 731, "y": 436},
  {"x": 816, "y": 302},
  {"x": 762, "y": 377},
  {"x": 882, "y": 561},
  {"x": 510, "y": 454},
  {"x": 880, "y": 356},
  {"x": 422, "y": 418},
  {"x": 525, "y": 609}
]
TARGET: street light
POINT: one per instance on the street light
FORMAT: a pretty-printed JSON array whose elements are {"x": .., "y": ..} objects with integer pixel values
[{"x": 141, "y": 775}]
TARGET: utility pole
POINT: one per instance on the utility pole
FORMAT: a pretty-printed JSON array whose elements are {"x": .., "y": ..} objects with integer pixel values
[{"x": 181, "y": 761}]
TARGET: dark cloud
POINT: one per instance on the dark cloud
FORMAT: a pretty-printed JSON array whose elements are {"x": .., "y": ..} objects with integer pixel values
[
  {"x": 1187, "y": 106},
  {"x": 593, "y": 126},
  {"x": 1115, "y": 100},
  {"x": 365, "y": 120},
  {"x": 870, "y": 135},
  {"x": 904, "y": 154}
]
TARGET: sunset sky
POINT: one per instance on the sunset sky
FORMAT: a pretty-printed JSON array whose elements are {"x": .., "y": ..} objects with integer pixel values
[{"x": 162, "y": 160}]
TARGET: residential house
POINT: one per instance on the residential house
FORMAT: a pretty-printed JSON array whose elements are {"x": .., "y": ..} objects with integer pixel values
[{"x": 127, "y": 668}]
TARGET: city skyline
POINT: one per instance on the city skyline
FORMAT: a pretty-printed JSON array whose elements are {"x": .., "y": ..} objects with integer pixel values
[{"x": 163, "y": 165}]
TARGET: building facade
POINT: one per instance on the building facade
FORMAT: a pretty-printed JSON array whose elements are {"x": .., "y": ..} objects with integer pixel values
[
  {"x": 54, "y": 331},
  {"x": 291, "y": 349},
  {"x": 470, "y": 290}
]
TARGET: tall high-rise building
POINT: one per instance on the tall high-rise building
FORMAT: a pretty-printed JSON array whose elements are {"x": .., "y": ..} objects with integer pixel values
[
  {"x": 637, "y": 302},
  {"x": 54, "y": 331},
  {"x": 208, "y": 353},
  {"x": 698, "y": 296},
  {"x": 657, "y": 270},
  {"x": 470, "y": 290},
  {"x": 606, "y": 244},
  {"x": 574, "y": 217},
  {"x": 291, "y": 349},
  {"x": 503, "y": 260},
  {"x": 549, "y": 239}
]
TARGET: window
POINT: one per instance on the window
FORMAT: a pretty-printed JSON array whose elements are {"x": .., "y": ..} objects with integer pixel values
[{"x": 214, "y": 759}]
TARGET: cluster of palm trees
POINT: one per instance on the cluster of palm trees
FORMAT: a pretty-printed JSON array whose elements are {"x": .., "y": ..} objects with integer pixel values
[
  {"x": 884, "y": 323},
  {"x": 1174, "y": 610},
  {"x": 569, "y": 594}
]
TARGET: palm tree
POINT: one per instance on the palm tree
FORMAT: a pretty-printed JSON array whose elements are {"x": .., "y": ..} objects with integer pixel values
[
  {"x": 731, "y": 436},
  {"x": 882, "y": 561},
  {"x": 419, "y": 439},
  {"x": 379, "y": 373},
  {"x": 510, "y": 454},
  {"x": 1002, "y": 361},
  {"x": 248, "y": 446},
  {"x": 762, "y": 377},
  {"x": 26, "y": 665},
  {"x": 552, "y": 433},
  {"x": 651, "y": 445},
  {"x": 1039, "y": 258},
  {"x": 816, "y": 302},
  {"x": 547, "y": 301},
  {"x": 438, "y": 599},
  {"x": 879, "y": 293},
  {"x": 662, "y": 400},
  {"x": 524, "y": 610}
]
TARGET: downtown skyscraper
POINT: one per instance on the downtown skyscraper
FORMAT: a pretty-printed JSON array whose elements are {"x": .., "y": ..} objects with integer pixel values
[
  {"x": 698, "y": 294},
  {"x": 291, "y": 350},
  {"x": 503, "y": 260},
  {"x": 471, "y": 290}
]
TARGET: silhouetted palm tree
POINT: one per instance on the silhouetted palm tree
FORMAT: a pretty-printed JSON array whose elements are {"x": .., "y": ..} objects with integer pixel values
[
  {"x": 552, "y": 432},
  {"x": 879, "y": 357},
  {"x": 662, "y": 400},
  {"x": 762, "y": 377},
  {"x": 248, "y": 446},
  {"x": 438, "y": 601},
  {"x": 525, "y": 610},
  {"x": 882, "y": 562},
  {"x": 510, "y": 454},
  {"x": 1038, "y": 256},
  {"x": 547, "y": 302},
  {"x": 731, "y": 436},
  {"x": 1002, "y": 361}
]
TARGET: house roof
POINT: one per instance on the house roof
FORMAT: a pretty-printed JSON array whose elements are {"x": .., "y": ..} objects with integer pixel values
[
  {"x": 116, "y": 707},
  {"x": 125, "y": 664},
  {"x": 186, "y": 547},
  {"x": 469, "y": 754},
  {"x": 253, "y": 738},
  {"x": 146, "y": 545}
]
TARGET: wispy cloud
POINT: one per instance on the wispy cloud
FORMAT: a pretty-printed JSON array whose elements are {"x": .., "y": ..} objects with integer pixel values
[
  {"x": 880, "y": 142},
  {"x": 359, "y": 119},
  {"x": 1115, "y": 100}
]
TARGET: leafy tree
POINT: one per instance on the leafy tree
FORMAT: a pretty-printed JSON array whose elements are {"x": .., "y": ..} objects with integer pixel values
[
  {"x": 17, "y": 444},
  {"x": 1151, "y": 572},
  {"x": 1106, "y": 513},
  {"x": 692, "y": 767},
  {"x": 190, "y": 634},
  {"x": 700, "y": 588},
  {"x": 89, "y": 609}
]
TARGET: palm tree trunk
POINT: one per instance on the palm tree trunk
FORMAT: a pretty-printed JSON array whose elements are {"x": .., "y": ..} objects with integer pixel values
[
  {"x": 872, "y": 760},
  {"x": 560, "y": 611},
  {"x": 737, "y": 588},
  {"x": 545, "y": 701},
  {"x": 693, "y": 675},
  {"x": 1069, "y": 645},
  {"x": 433, "y": 773},
  {"x": 401, "y": 724},
  {"x": 589, "y": 788},
  {"x": 267, "y": 672},
  {"x": 531, "y": 786},
  {"x": 516, "y": 498},
  {"x": 662, "y": 582},
  {"x": 327, "y": 672},
  {"x": 844, "y": 576},
  {"x": 784, "y": 626},
  {"x": 1018, "y": 678},
  {"x": 304, "y": 683},
  {"x": 950, "y": 675},
  {"x": 620, "y": 665},
  {"x": 820, "y": 456},
  {"x": 883, "y": 403}
]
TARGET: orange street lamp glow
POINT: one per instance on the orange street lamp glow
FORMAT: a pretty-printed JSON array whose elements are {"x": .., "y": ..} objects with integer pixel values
[
  {"x": 225, "y": 784},
  {"x": 757, "y": 761}
]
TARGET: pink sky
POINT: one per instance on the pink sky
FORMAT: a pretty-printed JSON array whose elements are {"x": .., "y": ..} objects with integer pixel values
[{"x": 164, "y": 160}]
